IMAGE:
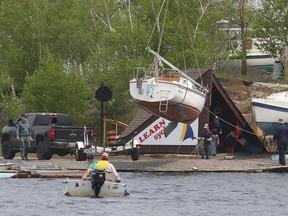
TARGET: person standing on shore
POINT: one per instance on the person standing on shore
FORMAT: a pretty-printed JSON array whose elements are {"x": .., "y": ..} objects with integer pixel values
[
  {"x": 216, "y": 129},
  {"x": 23, "y": 134},
  {"x": 206, "y": 137},
  {"x": 91, "y": 165},
  {"x": 282, "y": 140}
]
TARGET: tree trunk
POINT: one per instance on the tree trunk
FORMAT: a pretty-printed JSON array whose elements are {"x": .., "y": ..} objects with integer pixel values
[
  {"x": 243, "y": 58},
  {"x": 285, "y": 57},
  {"x": 243, "y": 37},
  {"x": 13, "y": 91}
]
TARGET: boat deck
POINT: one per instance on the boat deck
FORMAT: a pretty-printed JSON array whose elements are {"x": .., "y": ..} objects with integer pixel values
[{"x": 169, "y": 78}]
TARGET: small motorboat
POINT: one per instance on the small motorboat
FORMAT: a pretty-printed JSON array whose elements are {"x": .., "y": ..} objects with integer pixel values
[
  {"x": 76, "y": 187},
  {"x": 94, "y": 186},
  {"x": 5, "y": 166}
]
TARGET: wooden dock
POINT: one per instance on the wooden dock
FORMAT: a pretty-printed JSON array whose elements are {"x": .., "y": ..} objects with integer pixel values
[{"x": 63, "y": 168}]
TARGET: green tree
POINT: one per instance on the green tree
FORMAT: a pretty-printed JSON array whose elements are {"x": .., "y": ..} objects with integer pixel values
[
  {"x": 10, "y": 105},
  {"x": 272, "y": 28},
  {"x": 54, "y": 89}
]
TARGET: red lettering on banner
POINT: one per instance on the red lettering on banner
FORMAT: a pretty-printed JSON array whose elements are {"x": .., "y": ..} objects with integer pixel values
[
  {"x": 156, "y": 127},
  {"x": 146, "y": 135},
  {"x": 162, "y": 123}
]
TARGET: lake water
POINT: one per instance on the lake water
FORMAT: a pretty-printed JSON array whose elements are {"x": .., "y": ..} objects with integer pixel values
[{"x": 154, "y": 194}]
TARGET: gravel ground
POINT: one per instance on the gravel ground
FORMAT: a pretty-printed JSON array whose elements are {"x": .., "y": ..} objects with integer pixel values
[
  {"x": 58, "y": 167},
  {"x": 183, "y": 163}
]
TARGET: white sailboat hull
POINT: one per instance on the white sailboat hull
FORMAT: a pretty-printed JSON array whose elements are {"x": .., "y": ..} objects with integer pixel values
[
  {"x": 76, "y": 187},
  {"x": 267, "y": 111},
  {"x": 179, "y": 101}
]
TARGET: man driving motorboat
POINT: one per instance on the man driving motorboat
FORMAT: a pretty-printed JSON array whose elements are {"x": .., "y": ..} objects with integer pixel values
[{"x": 103, "y": 164}]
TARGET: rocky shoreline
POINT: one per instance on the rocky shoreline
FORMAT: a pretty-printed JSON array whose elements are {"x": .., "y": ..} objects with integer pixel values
[{"x": 63, "y": 167}]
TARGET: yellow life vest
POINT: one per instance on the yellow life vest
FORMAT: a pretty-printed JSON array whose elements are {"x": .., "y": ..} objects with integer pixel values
[{"x": 102, "y": 164}]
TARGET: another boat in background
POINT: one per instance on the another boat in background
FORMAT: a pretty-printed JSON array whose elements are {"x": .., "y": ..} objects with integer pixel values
[
  {"x": 175, "y": 96},
  {"x": 267, "y": 111},
  {"x": 7, "y": 175},
  {"x": 257, "y": 58},
  {"x": 264, "y": 84}
]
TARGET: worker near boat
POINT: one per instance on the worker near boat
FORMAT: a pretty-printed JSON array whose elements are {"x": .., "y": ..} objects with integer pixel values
[
  {"x": 216, "y": 130},
  {"x": 206, "y": 139},
  {"x": 103, "y": 164},
  {"x": 282, "y": 140}
]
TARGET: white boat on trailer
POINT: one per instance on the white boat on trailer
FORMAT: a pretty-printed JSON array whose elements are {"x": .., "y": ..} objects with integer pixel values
[{"x": 176, "y": 97}]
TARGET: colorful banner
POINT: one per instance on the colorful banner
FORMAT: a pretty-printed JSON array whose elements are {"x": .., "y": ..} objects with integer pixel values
[{"x": 181, "y": 135}]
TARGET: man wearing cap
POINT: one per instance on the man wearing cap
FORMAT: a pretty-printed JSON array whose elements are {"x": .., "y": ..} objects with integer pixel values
[
  {"x": 104, "y": 164},
  {"x": 282, "y": 140},
  {"x": 206, "y": 137},
  {"x": 91, "y": 165},
  {"x": 23, "y": 134}
]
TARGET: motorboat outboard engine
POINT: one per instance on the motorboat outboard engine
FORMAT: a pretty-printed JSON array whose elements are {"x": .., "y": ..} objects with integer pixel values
[{"x": 98, "y": 179}]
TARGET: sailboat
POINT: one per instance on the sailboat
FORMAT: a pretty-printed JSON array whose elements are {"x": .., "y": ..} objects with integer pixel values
[
  {"x": 267, "y": 111},
  {"x": 174, "y": 95}
]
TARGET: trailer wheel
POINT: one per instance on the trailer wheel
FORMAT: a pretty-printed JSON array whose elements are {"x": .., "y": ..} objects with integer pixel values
[
  {"x": 80, "y": 155},
  {"x": 43, "y": 154},
  {"x": 7, "y": 151}
]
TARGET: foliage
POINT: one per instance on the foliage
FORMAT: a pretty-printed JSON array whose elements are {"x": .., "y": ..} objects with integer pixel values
[
  {"x": 56, "y": 54},
  {"x": 272, "y": 27},
  {"x": 10, "y": 105},
  {"x": 54, "y": 89}
]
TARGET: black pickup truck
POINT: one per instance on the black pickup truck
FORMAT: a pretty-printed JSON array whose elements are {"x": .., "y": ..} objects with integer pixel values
[{"x": 52, "y": 133}]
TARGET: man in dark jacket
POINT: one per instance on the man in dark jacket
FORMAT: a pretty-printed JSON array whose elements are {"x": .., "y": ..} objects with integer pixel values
[
  {"x": 282, "y": 140},
  {"x": 206, "y": 137}
]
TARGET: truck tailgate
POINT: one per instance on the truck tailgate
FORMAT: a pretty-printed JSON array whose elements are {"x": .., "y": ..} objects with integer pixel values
[{"x": 68, "y": 133}]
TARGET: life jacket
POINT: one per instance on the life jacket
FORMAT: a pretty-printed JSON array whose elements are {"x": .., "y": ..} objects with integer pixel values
[{"x": 102, "y": 165}]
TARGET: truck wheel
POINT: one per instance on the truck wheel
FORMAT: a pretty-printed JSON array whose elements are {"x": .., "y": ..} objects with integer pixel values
[
  {"x": 7, "y": 151},
  {"x": 42, "y": 154},
  {"x": 79, "y": 154}
]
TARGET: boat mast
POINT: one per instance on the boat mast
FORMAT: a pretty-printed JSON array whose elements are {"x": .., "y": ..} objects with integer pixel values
[{"x": 181, "y": 73}]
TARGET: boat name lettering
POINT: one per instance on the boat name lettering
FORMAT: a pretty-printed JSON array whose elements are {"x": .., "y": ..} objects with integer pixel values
[
  {"x": 115, "y": 187},
  {"x": 159, "y": 135},
  {"x": 158, "y": 126}
]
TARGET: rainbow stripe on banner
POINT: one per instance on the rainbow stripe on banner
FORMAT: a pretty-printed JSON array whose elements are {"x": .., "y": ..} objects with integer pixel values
[{"x": 187, "y": 132}]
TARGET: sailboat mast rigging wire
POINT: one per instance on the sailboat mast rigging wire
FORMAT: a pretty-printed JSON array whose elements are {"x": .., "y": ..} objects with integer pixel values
[{"x": 181, "y": 73}]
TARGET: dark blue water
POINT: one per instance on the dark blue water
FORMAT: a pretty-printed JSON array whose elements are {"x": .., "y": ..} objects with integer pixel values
[{"x": 154, "y": 194}]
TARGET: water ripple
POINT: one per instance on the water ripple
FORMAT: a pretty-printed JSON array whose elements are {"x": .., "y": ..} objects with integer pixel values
[{"x": 161, "y": 194}]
